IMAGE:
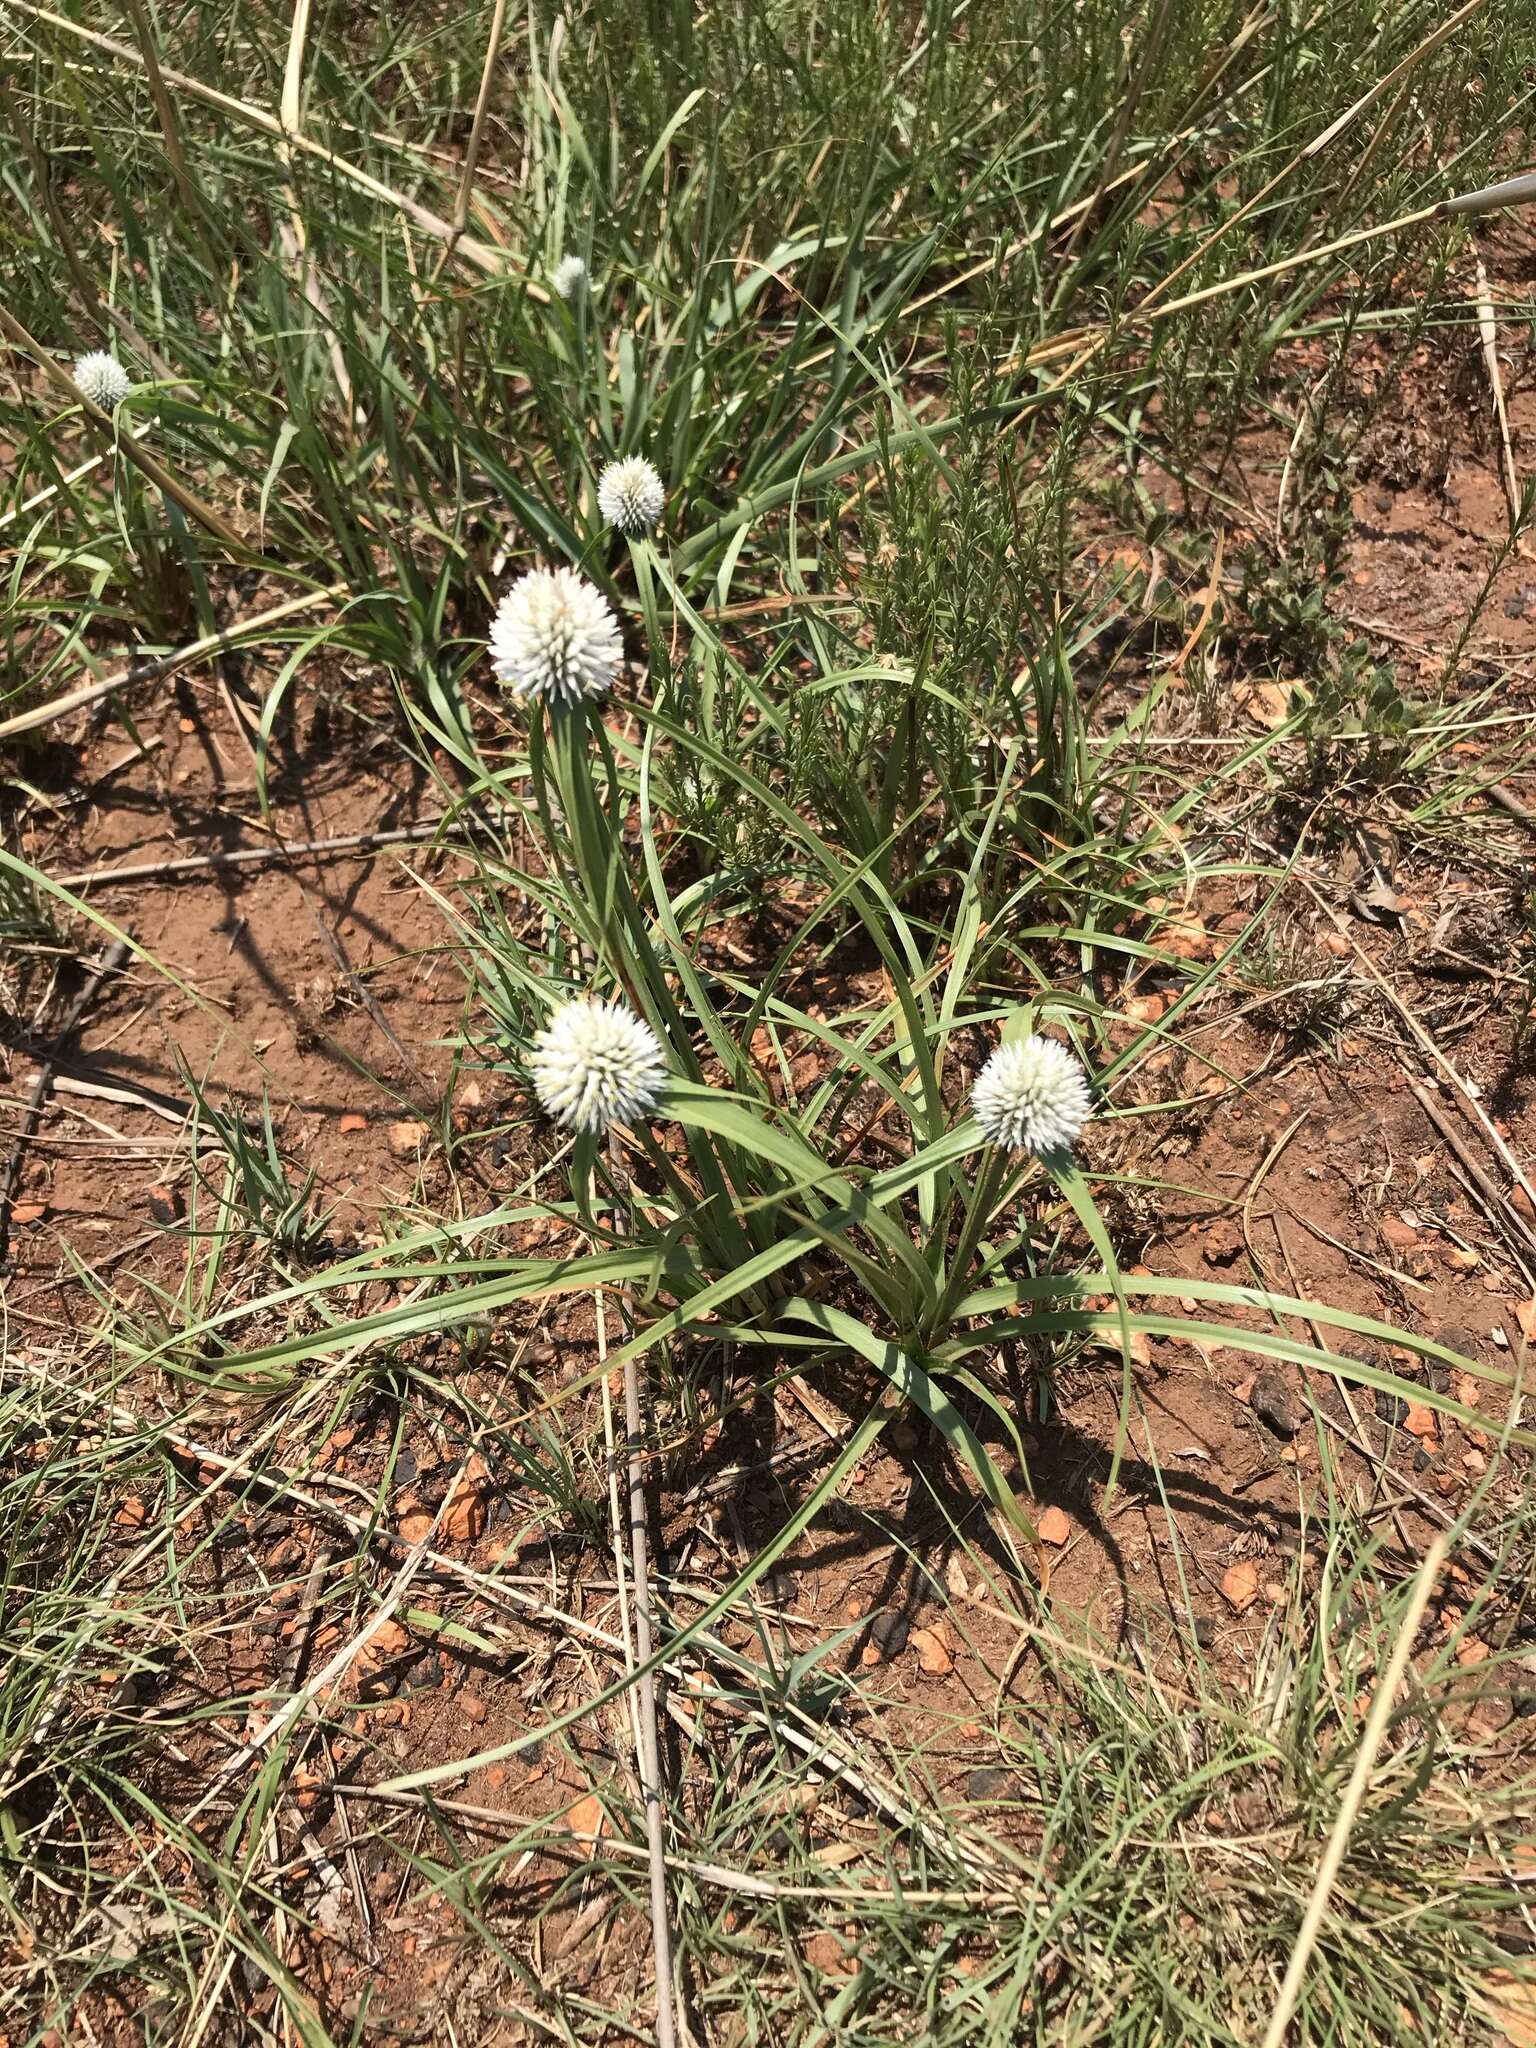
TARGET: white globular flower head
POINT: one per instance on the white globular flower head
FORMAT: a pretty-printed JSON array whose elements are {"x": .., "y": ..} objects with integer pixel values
[
  {"x": 554, "y": 635},
  {"x": 596, "y": 1063},
  {"x": 569, "y": 277},
  {"x": 1032, "y": 1096},
  {"x": 631, "y": 494},
  {"x": 102, "y": 379}
]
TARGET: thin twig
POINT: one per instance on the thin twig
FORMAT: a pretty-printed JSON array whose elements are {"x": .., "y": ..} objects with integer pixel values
[
  {"x": 1436, "y": 1057},
  {"x": 254, "y": 856},
  {"x": 345, "y": 1656},
  {"x": 1501, "y": 1215}
]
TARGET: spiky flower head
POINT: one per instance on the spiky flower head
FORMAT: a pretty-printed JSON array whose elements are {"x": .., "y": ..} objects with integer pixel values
[
  {"x": 554, "y": 635},
  {"x": 570, "y": 277},
  {"x": 596, "y": 1063},
  {"x": 102, "y": 379},
  {"x": 631, "y": 494},
  {"x": 1032, "y": 1096}
]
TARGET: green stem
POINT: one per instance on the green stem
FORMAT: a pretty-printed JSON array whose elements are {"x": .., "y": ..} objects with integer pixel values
[{"x": 980, "y": 1210}]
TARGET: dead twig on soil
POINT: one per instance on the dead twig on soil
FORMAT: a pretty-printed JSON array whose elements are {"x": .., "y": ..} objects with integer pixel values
[
  {"x": 336, "y": 1666},
  {"x": 109, "y": 963},
  {"x": 1503, "y": 1218},
  {"x": 1436, "y": 1058},
  {"x": 502, "y": 1820},
  {"x": 254, "y": 856}
]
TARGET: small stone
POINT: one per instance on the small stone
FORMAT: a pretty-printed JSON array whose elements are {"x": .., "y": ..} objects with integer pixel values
[
  {"x": 351, "y": 1122},
  {"x": 1240, "y": 1585},
  {"x": 407, "y": 1138},
  {"x": 464, "y": 1514},
  {"x": 826, "y": 1953},
  {"x": 1522, "y": 1204},
  {"x": 473, "y": 1707},
  {"x": 933, "y": 1652},
  {"x": 34, "y": 1212},
  {"x": 132, "y": 1514},
  {"x": 1053, "y": 1527},
  {"x": 1463, "y": 1258},
  {"x": 1400, "y": 1235},
  {"x": 1474, "y": 1461},
  {"x": 1205, "y": 1631},
  {"x": 586, "y": 1817},
  {"x": 780, "y": 1587},
  {"x": 389, "y": 1640},
  {"x": 1392, "y": 1408},
  {"x": 1419, "y": 1421},
  {"x": 988, "y": 1784}
]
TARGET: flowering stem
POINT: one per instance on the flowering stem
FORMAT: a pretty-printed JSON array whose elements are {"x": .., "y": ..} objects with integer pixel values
[{"x": 616, "y": 930}]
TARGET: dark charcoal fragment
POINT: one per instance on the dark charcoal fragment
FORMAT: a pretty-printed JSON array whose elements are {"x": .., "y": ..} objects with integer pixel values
[
  {"x": 888, "y": 1632},
  {"x": 1277, "y": 1404}
]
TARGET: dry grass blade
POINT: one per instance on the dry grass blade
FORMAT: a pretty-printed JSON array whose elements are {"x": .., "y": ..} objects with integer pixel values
[
  {"x": 1319, "y": 142},
  {"x": 240, "y": 632},
  {"x": 292, "y": 232},
  {"x": 1488, "y": 335},
  {"x": 478, "y": 253},
  {"x": 1382, "y": 1706}
]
